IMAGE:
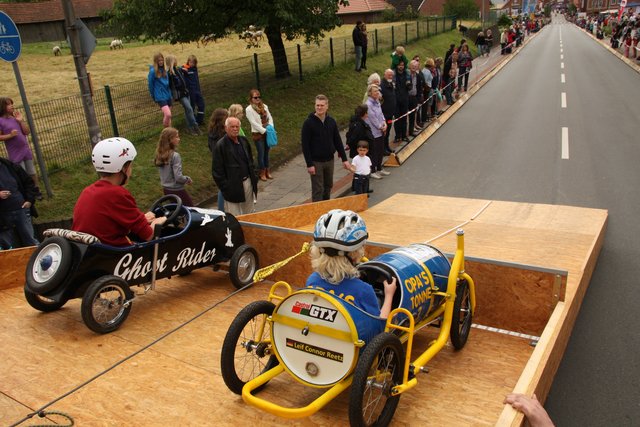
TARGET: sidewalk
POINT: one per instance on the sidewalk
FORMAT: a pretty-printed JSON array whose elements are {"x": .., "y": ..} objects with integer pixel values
[{"x": 291, "y": 184}]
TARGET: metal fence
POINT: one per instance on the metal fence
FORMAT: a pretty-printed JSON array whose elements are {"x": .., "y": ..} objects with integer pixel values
[{"x": 127, "y": 109}]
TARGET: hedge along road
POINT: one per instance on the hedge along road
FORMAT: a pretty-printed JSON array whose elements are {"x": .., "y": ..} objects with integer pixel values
[{"x": 506, "y": 143}]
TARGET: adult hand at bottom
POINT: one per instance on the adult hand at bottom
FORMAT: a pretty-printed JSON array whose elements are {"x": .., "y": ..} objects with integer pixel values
[{"x": 531, "y": 408}]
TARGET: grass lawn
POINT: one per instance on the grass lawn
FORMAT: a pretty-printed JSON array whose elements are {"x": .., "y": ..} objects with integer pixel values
[{"x": 290, "y": 102}]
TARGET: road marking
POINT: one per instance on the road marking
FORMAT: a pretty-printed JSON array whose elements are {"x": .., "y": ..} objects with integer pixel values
[
  {"x": 562, "y": 78},
  {"x": 565, "y": 143},
  {"x": 563, "y": 99},
  {"x": 562, "y": 65},
  {"x": 560, "y": 49},
  {"x": 561, "y": 56}
]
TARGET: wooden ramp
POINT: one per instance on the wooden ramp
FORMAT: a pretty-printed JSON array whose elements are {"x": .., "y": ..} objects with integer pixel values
[{"x": 532, "y": 264}]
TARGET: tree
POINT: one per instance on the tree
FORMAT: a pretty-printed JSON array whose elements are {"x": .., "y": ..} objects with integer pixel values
[
  {"x": 183, "y": 21},
  {"x": 504, "y": 21},
  {"x": 461, "y": 8}
]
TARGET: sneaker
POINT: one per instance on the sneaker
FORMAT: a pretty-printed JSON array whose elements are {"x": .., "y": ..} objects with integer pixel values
[
  {"x": 384, "y": 172},
  {"x": 375, "y": 175}
]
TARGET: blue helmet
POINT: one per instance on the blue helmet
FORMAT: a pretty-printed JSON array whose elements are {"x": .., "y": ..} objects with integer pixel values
[{"x": 340, "y": 230}]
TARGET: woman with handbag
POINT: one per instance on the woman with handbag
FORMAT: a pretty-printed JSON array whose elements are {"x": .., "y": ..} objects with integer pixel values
[{"x": 259, "y": 117}]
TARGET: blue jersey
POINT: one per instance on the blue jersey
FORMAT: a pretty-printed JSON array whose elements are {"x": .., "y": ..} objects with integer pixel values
[{"x": 354, "y": 291}]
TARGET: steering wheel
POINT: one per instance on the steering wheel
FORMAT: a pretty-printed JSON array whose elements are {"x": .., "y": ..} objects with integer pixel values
[
  {"x": 376, "y": 268},
  {"x": 159, "y": 207}
]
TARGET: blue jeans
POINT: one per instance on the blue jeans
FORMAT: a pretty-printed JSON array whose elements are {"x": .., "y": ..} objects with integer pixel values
[
  {"x": 19, "y": 220},
  {"x": 188, "y": 112},
  {"x": 358, "y": 50},
  {"x": 262, "y": 149}
]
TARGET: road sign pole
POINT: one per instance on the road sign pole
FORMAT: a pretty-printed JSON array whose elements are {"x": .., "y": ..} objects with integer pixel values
[
  {"x": 32, "y": 127},
  {"x": 81, "y": 71}
]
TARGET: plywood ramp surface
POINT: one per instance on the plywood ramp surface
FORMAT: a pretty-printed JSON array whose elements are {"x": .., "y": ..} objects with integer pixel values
[{"x": 177, "y": 381}]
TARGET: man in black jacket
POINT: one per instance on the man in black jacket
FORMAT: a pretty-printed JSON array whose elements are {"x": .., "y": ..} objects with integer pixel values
[
  {"x": 320, "y": 141},
  {"x": 358, "y": 42},
  {"x": 233, "y": 170},
  {"x": 388, "y": 91},
  {"x": 17, "y": 198},
  {"x": 403, "y": 84}
]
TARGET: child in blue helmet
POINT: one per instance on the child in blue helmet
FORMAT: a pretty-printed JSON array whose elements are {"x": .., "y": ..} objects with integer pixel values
[{"x": 339, "y": 239}]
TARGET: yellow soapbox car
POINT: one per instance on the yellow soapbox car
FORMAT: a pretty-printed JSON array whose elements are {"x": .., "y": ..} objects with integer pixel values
[{"x": 323, "y": 341}]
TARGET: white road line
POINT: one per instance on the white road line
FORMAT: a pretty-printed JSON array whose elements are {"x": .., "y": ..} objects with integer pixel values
[
  {"x": 562, "y": 65},
  {"x": 565, "y": 143},
  {"x": 561, "y": 56},
  {"x": 560, "y": 50},
  {"x": 562, "y": 78},
  {"x": 563, "y": 99}
]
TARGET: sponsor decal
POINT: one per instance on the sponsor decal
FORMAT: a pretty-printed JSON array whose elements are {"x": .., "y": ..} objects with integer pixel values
[
  {"x": 130, "y": 269},
  {"x": 315, "y": 311},
  {"x": 316, "y": 351}
]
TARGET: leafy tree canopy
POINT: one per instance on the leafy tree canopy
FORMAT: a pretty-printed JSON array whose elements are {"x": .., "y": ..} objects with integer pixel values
[{"x": 182, "y": 21}]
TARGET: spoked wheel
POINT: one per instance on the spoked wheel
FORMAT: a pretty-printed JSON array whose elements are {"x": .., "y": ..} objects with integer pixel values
[
  {"x": 41, "y": 303},
  {"x": 461, "y": 323},
  {"x": 243, "y": 265},
  {"x": 379, "y": 369},
  {"x": 246, "y": 351},
  {"x": 105, "y": 304}
]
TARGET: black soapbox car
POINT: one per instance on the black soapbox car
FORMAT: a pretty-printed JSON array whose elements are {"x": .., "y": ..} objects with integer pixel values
[{"x": 69, "y": 264}]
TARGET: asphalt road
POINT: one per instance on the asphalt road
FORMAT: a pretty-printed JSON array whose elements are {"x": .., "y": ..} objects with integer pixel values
[{"x": 508, "y": 143}]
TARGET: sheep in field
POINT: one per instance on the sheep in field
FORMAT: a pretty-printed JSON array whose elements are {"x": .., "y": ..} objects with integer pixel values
[{"x": 116, "y": 44}]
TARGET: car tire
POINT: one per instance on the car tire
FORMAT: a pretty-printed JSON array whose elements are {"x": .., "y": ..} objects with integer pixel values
[
  {"x": 243, "y": 265},
  {"x": 462, "y": 318},
  {"x": 41, "y": 303},
  {"x": 379, "y": 369},
  {"x": 245, "y": 352},
  {"x": 106, "y": 304},
  {"x": 49, "y": 265}
]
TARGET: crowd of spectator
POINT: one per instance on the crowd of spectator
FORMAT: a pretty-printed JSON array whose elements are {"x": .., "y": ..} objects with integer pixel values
[{"x": 624, "y": 33}]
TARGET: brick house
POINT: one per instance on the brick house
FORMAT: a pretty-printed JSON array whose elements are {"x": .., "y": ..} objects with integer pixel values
[{"x": 44, "y": 21}]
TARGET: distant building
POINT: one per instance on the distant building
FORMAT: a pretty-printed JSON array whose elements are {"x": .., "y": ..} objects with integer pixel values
[
  {"x": 44, "y": 21},
  {"x": 363, "y": 10}
]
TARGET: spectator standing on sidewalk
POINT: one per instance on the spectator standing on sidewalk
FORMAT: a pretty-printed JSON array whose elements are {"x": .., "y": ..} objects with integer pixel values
[
  {"x": 361, "y": 168},
  {"x": 375, "y": 120},
  {"x": 388, "y": 92},
  {"x": 374, "y": 79},
  {"x": 233, "y": 170},
  {"x": 356, "y": 36},
  {"x": 320, "y": 141},
  {"x": 427, "y": 76},
  {"x": 488, "y": 38},
  {"x": 17, "y": 206},
  {"x": 415, "y": 97},
  {"x": 190, "y": 72},
  {"x": 259, "y": 116},
  {"x": 481, "y": 42},
  {"x": 504, "y": 39},
  {"x": 216, "y": 132},
  {"x": 403, "y": 84},
  {"x": 13, "y": 132},
  {"x": 359, "y": 130},
  {"x": 237, "y": 111},
  {"x": 464, "y": 67},
  {"x": 449, "y": 75}
]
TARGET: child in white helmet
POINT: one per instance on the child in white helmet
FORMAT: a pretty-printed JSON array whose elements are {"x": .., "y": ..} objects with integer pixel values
[
  {"x": 106, "y": 209},
  {"x": 339, "y": 239}
]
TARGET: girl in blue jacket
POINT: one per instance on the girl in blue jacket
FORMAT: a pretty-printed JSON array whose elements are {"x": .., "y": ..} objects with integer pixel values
[{"x": 158, "y": 81}]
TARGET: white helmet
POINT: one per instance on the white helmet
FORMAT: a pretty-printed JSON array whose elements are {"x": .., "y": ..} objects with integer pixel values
[
  {"x": 110, "y": 155},
  {"x": 341, "y": 230}
]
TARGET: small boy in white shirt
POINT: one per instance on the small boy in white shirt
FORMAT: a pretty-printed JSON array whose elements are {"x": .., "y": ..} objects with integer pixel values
[{"x": 361, "y": 168}]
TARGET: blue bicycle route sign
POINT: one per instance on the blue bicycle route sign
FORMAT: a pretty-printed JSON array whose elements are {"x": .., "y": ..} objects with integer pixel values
[{"x": 10, "y": 42}]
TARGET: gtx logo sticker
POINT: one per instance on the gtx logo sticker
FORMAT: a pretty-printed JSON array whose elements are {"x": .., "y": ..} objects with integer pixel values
[{"x": 315, "y": 311}]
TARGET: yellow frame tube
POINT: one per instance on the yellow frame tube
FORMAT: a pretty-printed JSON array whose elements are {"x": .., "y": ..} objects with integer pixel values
[{"x": 281, "y": 411}]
